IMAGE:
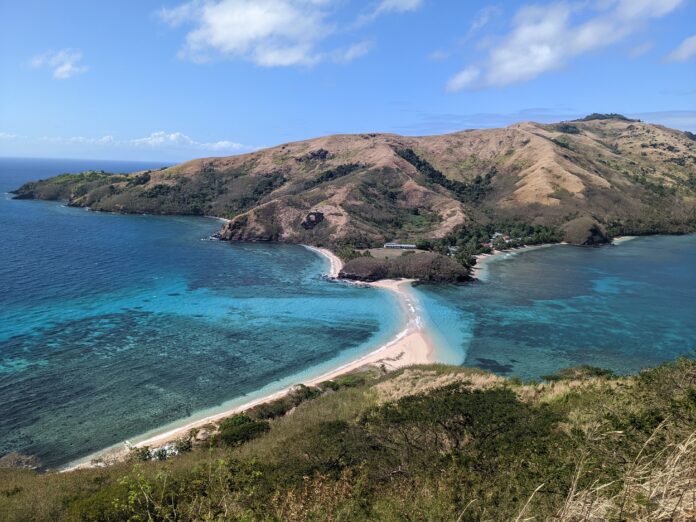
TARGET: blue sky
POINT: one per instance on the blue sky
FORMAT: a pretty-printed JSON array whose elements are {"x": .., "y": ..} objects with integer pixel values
[{"x": 173, "y": 80}]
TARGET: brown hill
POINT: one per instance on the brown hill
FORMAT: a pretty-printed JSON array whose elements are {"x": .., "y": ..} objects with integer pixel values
[{"x": 611, "y": 174}]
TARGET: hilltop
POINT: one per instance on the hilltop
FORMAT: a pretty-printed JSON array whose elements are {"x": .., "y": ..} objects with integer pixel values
[
  {"x": 422, "y": 443},
  {"x": 579, "y": 181}
]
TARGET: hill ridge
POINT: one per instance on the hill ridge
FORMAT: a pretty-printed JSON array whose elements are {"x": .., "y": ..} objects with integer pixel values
[{"x": 622, "y": 175}]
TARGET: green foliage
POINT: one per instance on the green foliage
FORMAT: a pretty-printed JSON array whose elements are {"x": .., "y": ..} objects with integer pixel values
[
  {"x": 235, "y": 435},
  {"x": 347, "y": 252},
  {"x": 563, "y": 143},
  {"x": 334, "y": 174},
  {"x": 425, "y": 266},
  {"x": 472, "y": 192},
  {"x": 657, "y": 188},
  {"x": 469, "y": 240},
  {"x": 183, "y": 445},
  {"x": 351, "y": 380},
  {"x": 279, "y": 407},
  {"x": 609, "y": 116},
  {"x": 579, "y": 373},
  {"x": 234, "y": 421},
  {"x": 140, "y": 454},
  {"x": 445, "y": 453},
  {"x": 566, "y": 128},
  {"x": 140, "y": 179}
]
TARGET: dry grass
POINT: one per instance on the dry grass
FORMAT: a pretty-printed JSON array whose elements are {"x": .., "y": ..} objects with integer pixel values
[
  {"x": 415, "y": 381},
  {"x": 658, "y": 485}
]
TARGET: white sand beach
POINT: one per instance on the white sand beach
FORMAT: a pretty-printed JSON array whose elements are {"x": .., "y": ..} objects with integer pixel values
[
  {"x": 410, "y": 346},
  {"x": 336, "y": 263}
]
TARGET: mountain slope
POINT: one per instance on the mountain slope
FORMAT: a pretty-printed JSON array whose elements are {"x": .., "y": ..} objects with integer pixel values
[{"x": 364, "y": 189}]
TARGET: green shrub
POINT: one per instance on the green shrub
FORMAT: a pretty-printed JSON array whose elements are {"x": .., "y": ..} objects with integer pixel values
[
  {"x": 241, "y": 433},
  {"x": 472, "y": 192}
]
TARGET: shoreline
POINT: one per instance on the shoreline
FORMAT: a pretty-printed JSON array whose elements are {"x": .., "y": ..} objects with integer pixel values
[
  {"x": 480, "y": 271},
  {"x": 410, "y": 346},
  {"x": 334, "y": 260}
]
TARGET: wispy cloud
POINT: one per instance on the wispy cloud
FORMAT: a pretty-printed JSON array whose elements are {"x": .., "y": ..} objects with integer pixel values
[
  {"x": 641, "y": 49},
  {"x": 160, "y": 140},
  {"x": 433, "y": 123},
  {"x": 546, "y": 37},
  {"x": 686, "y": 50},
  {"x": 483, "y": 17},
  {"x": 104, "y": 140},
  {"x": 437, "y": 123},
  {"x": 682, "y": 120},
  {"x": 388, "y": 6},
  {"x": 179, "y": 140},
  {"x": 353, "y": 52},
  {"x": 64, "y": 63}
]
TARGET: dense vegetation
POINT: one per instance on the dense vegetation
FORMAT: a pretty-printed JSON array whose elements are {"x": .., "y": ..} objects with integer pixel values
[
  {"x": 425, "y": 443},
  {"x": 467, "y": 241},
  {"x": 608, "y": 116},
  {"x": 68, "y": 186},
  {"x": 333, "y": 174},
  {"x": 226, "y": 195},
  {"x": 427, "y": 266},
  {"x": 471, "y": 192}
]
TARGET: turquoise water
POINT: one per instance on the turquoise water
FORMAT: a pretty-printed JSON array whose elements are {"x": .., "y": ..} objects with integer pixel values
[
  {"x": 622, "y": 307},
  {"x": 113, "y": 325}
]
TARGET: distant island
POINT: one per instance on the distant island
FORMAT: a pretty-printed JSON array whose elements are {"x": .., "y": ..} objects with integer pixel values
[{"x": 451, "y": 197}]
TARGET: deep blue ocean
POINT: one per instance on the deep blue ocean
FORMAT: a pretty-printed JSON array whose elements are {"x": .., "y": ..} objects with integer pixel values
[{"x": 112, "y": 325}]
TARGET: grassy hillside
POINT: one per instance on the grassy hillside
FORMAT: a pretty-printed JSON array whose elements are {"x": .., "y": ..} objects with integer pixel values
[
  {"x": 617, "y": 175},
  {"x": 424, "y": 443}
]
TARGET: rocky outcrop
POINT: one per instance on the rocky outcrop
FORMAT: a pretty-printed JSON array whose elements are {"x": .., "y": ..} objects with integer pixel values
[
  {"x": 585, "y": 231},
  {"x": 312, "y": 220}
]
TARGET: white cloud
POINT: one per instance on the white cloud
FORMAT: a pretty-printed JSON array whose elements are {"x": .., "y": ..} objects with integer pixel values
[
  {"x": 483, "y": 17},
  {"x": 269, "y": 33},
  {"x": 386, "y": 7},
  {"x": 545, "y": 38},
  {"x": 463, "y": 79},
  {"x": 353, "y": 52},
  {"x": 179, "y": 140},
  {"x": 64, "y": 63},
  {"x": 640, "y": 50},
  {"x": 7, "y": 136},
  {"x": 397, "y": 6},
  {"x": 676, "y": 119},
  {"x": 155, "y": 141},
  {"x": 685, "y": 51},
  {"x": 438, "y": 56}
]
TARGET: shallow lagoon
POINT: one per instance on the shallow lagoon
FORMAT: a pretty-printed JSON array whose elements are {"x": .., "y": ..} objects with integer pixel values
[
  {"x": 113, "y": 325},
  {"x": 622, "y": 307}
]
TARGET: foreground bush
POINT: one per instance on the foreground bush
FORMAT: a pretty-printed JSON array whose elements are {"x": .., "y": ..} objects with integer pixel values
[{"x": 466, "y": 446}]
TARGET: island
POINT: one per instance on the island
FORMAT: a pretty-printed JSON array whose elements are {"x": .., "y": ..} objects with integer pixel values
[{"x": 451, "y": 197}]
